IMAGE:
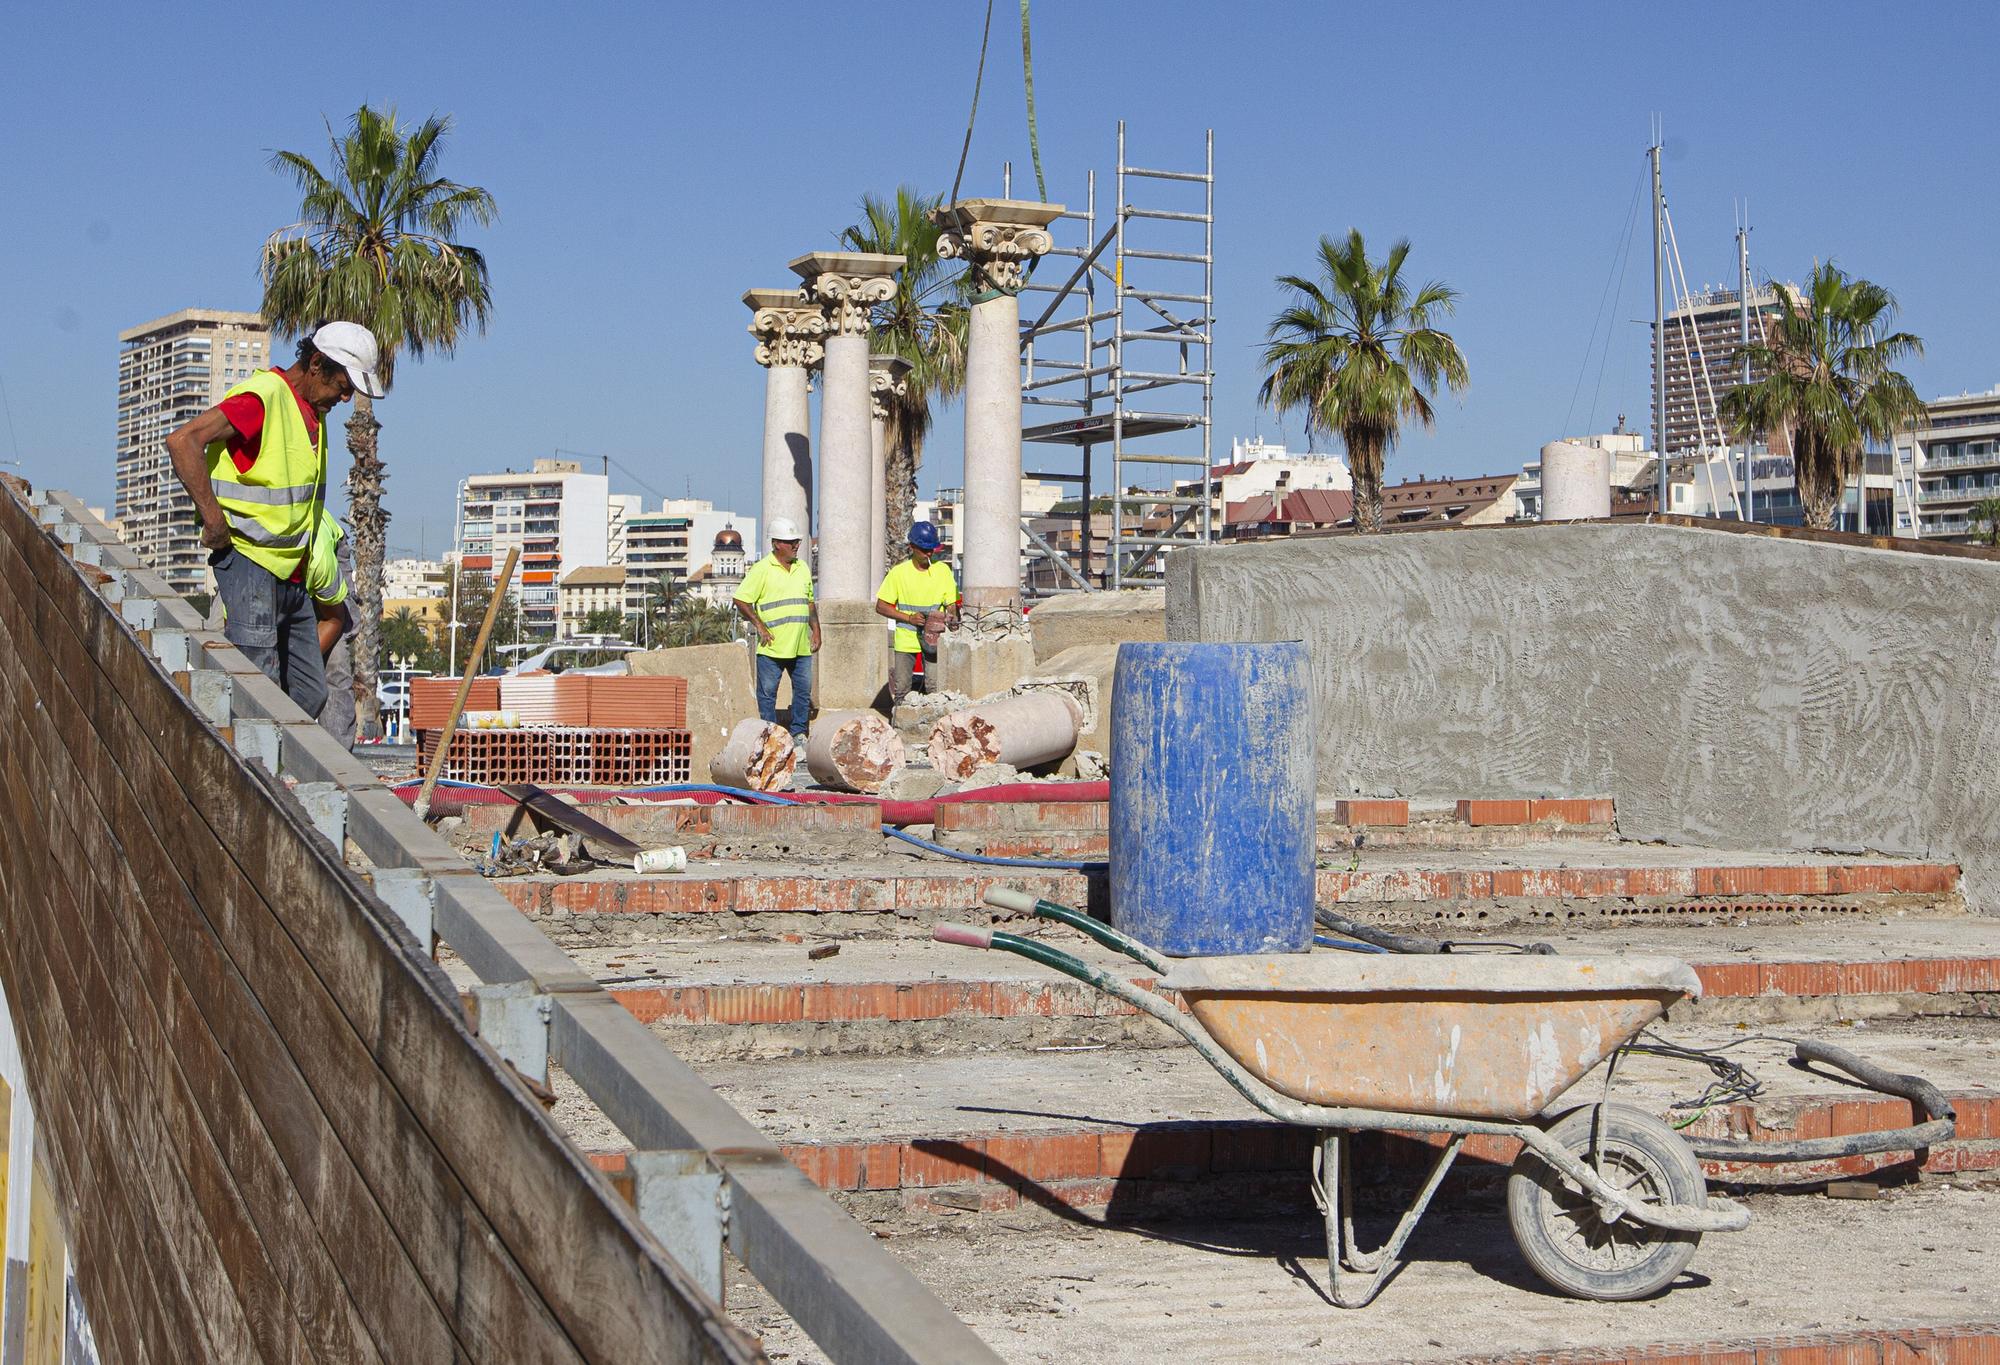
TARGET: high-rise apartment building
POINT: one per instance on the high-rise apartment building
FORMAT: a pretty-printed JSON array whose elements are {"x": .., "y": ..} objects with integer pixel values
[
  {"x": 1950, "y": 470},
  {"x": 170, "y": 370},
  {"x": 1702, "y": 337},
  {"x": 558, "y": 516},
  {"x": 679, "y": 540}
]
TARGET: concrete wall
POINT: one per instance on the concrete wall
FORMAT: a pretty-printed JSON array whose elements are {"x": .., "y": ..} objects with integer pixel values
[{"x": 1730, "y": 689}]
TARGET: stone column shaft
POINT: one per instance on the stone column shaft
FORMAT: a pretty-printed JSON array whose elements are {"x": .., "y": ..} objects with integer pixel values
[
  {"x": 888, "y": 380},
  {"x": 845, "y": 455},
  {"x": 997, "y": 238},
  {"x": 788, "y": 346}
]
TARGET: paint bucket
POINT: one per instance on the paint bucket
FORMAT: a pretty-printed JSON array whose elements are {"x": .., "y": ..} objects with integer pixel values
[
  {"x": 1213, "y": 780},
  {"x": 672, "y": 858}
]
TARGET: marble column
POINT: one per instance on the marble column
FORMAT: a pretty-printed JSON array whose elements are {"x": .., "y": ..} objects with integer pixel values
[
  {"x": 788, "y": 331},
  {"x": 996, "y": 238},
  {"x": 888, "y": 380},
  {"x": 853, "y": 670}
]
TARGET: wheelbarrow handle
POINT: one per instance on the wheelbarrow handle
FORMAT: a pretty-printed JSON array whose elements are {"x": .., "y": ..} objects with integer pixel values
[{"x": 1020, "y": 902}]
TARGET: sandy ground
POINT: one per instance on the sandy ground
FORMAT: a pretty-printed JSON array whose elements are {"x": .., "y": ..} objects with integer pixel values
[{"x": 1254, "y": 1291}]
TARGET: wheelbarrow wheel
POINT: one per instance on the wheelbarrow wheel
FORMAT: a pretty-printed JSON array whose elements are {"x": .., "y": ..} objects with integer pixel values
[{"x": 1563, "y": 1232}]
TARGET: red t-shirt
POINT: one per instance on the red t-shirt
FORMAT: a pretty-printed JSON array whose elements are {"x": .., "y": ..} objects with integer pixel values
[{"x": 245, "y": 412}]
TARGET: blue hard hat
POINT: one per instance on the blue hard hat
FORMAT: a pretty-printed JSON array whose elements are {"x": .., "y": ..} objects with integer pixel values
[{"x": 924, "y": 536}]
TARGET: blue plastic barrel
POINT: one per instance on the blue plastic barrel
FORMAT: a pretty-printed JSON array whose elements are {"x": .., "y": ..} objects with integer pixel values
[{"x": 1212, "y": 791}]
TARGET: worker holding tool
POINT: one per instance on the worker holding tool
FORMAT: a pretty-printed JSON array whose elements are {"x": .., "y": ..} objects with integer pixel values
[
  {"x": 921, "y": 597},
  {"x": 776, "y": 598},
  {"x": 255, "y": 465}
]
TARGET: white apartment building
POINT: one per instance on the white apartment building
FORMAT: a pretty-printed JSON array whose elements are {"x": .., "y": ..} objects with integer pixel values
[
  {"x": 685, "y": 536},
  {"x": 1259, "y": 467},
  {"x": 1945, "y": 470},
  {"x": 406, "y": 578},
  {"x": 557, "y": 516},
  {"x": 170, "y": 370}
]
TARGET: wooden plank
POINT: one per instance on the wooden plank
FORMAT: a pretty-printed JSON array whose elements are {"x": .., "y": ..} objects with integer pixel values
[
  {"x": 646, "y": 1316},
  {"x": 39, "y": 1027},
  {"x": 175, "y": 1135},
  {"x": 406, "y": 1323}
]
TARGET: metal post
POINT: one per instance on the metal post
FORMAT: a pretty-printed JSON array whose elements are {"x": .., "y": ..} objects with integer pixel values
[
  {"x": 1118, "y": 376},
  {"x": 1089, "y": 331},
  {"x": 1659, "y": 332},
  {"x": 1743, "y": 311}
]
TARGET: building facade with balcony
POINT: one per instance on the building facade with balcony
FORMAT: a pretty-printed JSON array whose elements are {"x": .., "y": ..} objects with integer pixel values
[
  {"x": 557, "y": 516},
  {"x": 1950, "y": 470},
  {"x": 171, "y": 370},
  {"x": 587, "y": 590},
  {"x": 1702, "y": 337}
]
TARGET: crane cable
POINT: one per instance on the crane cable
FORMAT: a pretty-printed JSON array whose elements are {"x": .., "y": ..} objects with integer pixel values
[{"x": 1027, "y": 80}]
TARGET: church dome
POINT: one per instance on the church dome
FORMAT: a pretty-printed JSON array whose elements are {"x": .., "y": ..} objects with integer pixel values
[{"x": 728, "y": 538}]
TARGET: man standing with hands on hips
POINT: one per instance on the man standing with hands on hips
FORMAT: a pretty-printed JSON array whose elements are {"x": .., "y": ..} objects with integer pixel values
[
  {"x": 776, "y": 598},
  {"x": 255, "y": 465}
]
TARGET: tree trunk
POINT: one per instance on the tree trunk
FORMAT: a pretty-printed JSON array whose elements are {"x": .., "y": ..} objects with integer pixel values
[
  {"x": 905, "y": 456},
  {"x": 1819, "y": 478},
  {"x": 369, "y": 524},
  {"x": 1364, "y": 458}
]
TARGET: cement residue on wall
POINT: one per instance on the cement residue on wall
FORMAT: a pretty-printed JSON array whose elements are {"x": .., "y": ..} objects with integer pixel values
[{"x": 1731, "y": 690}]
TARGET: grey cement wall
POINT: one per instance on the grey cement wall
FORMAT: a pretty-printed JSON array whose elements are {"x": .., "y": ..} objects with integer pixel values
[{"x": 1730, "y": 690}]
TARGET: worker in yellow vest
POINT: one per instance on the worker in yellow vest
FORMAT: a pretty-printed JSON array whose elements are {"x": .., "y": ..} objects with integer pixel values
[
  {"x": 255, "y": 465},
  {"x": 776, "y": 598},
  {"x": 921, "y": 597}
]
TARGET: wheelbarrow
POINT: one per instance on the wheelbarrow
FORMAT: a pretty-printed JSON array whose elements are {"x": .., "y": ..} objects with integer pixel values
[{"x": 1606, "y": 1201}]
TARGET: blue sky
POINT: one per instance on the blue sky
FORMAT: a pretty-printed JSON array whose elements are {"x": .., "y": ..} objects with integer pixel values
[{"x": 651, "y": 162}]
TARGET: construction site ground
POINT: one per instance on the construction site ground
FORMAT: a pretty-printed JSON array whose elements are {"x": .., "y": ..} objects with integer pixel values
[{"x": 1076, "y": 1183}]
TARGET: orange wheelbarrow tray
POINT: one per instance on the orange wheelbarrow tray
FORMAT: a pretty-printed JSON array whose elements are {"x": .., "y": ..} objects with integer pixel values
[{"x": 1607, "y": 1202}]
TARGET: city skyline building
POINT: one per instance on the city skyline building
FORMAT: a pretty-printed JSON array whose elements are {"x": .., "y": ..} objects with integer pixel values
[
  {"x": 557, "y": 516},
  {"x": 1945, "y": 469},
  {"x": 1702, "y": 337},
  {"x": 170, "y": 371}
]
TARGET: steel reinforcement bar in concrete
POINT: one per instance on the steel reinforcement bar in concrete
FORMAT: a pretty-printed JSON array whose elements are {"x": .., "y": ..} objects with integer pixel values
[{"x": 849, "y": 1294}]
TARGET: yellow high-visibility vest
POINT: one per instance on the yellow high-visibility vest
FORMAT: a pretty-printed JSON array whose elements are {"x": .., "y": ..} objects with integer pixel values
[
  {"x": 324, "y": 580},
  {"x": 783, "y": 601},
  {"x": 907, "y": 588},
  {"x": 274, "y": 508}
]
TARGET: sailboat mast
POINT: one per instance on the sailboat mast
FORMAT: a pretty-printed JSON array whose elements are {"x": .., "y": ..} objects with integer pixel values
[
  {"x": 1659, "y": 328},
  {"x": 1743, "y": 313}
]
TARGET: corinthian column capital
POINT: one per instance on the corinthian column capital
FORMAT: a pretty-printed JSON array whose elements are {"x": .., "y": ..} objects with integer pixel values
[
  {"x": 789, "y": 330},
  {"x": 996, "y": 238},
  {"x": 847, "y": 285},
  {"x": 888, "y": 377}
]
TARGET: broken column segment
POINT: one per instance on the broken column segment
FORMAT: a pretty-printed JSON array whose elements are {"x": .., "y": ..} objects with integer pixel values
[
  {"x": 1022, "y": 731},
  {"x": 855, "y": 751},
  {"x": 758, "y": 757}
]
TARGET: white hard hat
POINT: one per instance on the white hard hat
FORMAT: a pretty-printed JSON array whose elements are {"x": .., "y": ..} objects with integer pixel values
[
  {"x": 783, "y": 529},
  {"x": 351, "y": 345}
]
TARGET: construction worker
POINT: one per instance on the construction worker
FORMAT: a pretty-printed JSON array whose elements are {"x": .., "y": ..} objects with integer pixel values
[
  {"x": 776, "y": 598},
  {"x": 255, "y": 465},
  {"x": 921, "y": 597}
]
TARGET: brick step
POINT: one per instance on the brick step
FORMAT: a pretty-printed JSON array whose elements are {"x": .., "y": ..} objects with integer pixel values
[
  {"x": 1055, "y": 1139},
  {"x": 1451, "y": 892},
  {"x": 1057, "y": 829},
  {"x": 882, "y": 997}
]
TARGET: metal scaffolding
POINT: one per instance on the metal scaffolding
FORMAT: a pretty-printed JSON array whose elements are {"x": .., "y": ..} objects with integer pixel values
[{"x": 1142, "y": 382}]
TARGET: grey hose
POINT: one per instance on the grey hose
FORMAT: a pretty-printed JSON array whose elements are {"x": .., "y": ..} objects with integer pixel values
[{"x": 1941, "y": 1125}]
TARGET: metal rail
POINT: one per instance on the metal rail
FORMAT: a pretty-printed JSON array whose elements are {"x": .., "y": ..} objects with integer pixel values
[{"x": 706, "y": 1175}]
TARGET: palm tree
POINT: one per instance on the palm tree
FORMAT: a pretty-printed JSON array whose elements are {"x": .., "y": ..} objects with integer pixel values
[
  {"x": 1828, "y": 385},
  {"x": 924, "y": 323},
  {"x": 375, "y": 243},
  {"x": 1986, "y": 510},
  {"x": 1356, "y": 350}
]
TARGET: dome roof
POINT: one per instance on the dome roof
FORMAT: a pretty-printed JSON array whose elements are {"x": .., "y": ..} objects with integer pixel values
[{"x": 728, "y": 538}]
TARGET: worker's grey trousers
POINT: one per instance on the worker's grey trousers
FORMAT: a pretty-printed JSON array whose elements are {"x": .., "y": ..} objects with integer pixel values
[{"x": 273, "y": 623}]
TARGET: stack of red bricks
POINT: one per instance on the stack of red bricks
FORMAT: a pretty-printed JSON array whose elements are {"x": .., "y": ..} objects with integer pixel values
[
  {"x": 572, "y": 730},
  {"x": 563, "y": 756}
]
